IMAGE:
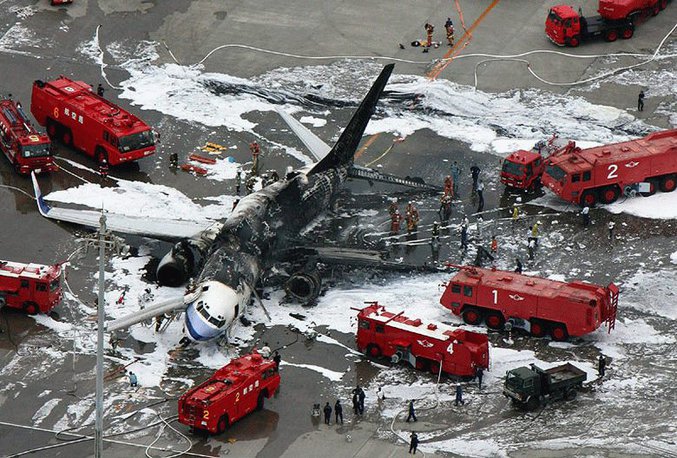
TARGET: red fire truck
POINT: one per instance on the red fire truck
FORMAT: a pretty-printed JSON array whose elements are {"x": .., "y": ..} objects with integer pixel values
[
  {"x": 537, "y": 305},
  {"x": 26, "y": 148},
  {"x": 231, "y": 393},
  {"x": 32, "y": 288},
  {"x": 522, "y": 170},
  {"x": 81, "y": 119},
  {"x": 617, "y": 18},
  {"x": 603, "y": 173},
  {"x": 424, "y": 346}
]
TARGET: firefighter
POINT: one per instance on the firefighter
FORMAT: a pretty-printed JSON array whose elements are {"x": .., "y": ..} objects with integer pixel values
[
  {"x": 395, "y": 220},
  {"x": 479, "y": 373},
  {"x": 640, "y": 101},
  {"x": 413, "y": 443},
  {"x": 464, "y": 234},
  {"x": 448, "y": 186},
  {"x": 534, "y": 232},
  {"x": 173, "y": 160},
  {"x": 449, "y": 26},
  {"x": 435, "y": 231},
  {"x": 459, "y": 395},
  {"x": 133, "y": 381},
  {"x": 358, "y": 399},
  {"x": 601, "y": 366},
  {"x": 516, "y": 211},
  {"x": 103, "y": 169},
  {"x": 611, "y": 230},
  {"x": 429, "y": 29},
  {"x": 265, "y": 350},
  {"x": 356, "y": 403},
  {"x": 100, "y": 90},
  {"x": 412, "y": 412},
  {"x": 518, "y": 267},
  {"x": 256, "y": 151},
  {"x": 475, "y": 174},
  {"x": 585, "y": 214},
  {"x": 412, "y": 218},
  {"x": 494, "y": 244},
  {"x": 445, "y": 208},
  {"x": 455, "y": 176},
  {"x": 278, "y": 359},
  {"x": 531, "y": 248},
  {"x": 327, "y": 413},
  {"x": 338, "y": 411},
  {"x": 121, "y": 299},
  {"x": 480, "y": 195},
  {"x": 393, "y": 207},
  {"x": 238, "y": 181}
]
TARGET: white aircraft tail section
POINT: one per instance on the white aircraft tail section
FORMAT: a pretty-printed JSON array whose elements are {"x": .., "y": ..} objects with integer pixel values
[{"x": 317, "y": 147}]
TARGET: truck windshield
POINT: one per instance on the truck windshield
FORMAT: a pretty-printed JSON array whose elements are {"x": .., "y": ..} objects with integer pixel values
[
  {"x": 513, "y": 380},
  {"x": 35, "y": 150},
  {"x": 555, "y": 172},
  {"x": 54, "y": 285},
  {"x": 136, "y": 141},
  {"x": 554, "y": 18},
  {"x": 513, "y": 169}
]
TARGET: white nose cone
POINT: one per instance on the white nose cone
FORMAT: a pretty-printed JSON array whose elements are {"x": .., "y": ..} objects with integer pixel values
[{"x": 213, "y": 311}]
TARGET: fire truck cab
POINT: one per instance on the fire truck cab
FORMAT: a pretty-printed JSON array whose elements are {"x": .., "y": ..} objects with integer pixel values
[
  {"x": 424, "y": 346},
  {"x": 25, "y": 147},
  {"x": 81, "y": 119},
  {"x": 522, "y": 170},
  {"x": 33, "y": 288},
  {"x": 537, "y": 305},
  {"x": 234, "y": 391}
]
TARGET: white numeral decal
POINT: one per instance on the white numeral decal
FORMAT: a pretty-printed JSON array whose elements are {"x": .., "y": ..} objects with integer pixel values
[
  {"x": 495, "y": 293},
  {"x": 613, "y": 168}
]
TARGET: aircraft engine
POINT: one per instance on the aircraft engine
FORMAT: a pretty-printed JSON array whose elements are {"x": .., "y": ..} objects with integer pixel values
[
  {"x": 179, "y": 264},
  {"x": 304, "y": 285}
]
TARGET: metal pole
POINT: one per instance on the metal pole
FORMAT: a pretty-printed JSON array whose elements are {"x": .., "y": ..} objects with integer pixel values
[{"x": 98, "y": 428}]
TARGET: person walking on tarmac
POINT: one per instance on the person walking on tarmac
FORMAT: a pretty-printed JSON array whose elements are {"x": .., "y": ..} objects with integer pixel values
[
  {"x": 518, "y": 267},
  {"x": 449, "y": 27},
  {"x": 278, "y": 359},
  {"x": 601, "y": 366},
  {"x": 445, "y": 208},
  {"x": 327, "y": 413},
  {"x": 480, "y": 195},
  {"x": 413, "y": 443},
  {"x": 395, "y": 221},
  {"x": 412, "y": 412},
  {"x": 255, "y": 149},
  {"x": 640, "y": 101},
  {"x": 356, "y": 403},
  {"x": 100, "y": 90},
  {"x": 611, "y": 230},
  {"x": 531, "y": 248},
  {"x": 412, "y": 218},
  {"x": 103, "y": 169},
  {"x": 475, "y": 174},
  {"x": 429, "y": 29},
  {"x": 479, "y": 373},
  {"x": 464, "y": 235},
  {"x": 459, "y": 395},
  {"x": 585, "y": 214},
  {"x": 338, "y": 411},
  {"x": 133, "y": 381}
]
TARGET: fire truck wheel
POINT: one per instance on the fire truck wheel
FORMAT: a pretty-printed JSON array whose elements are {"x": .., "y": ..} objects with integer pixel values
[
  {"x": 610, "y": 194},
  {"x": 30, "y": 307},
  {"x": 612, "y": 35},
  {"x": 627, "y": 33},
  {"x": 67, "y": 137},
  {"x": 435, "y": 367},
  {"x": 574, "y": 41},
  {"x": 222, "y": 424},
  {"x": 559, "y": 332},
  {"x": 589, "y": 198},
  {"x": 373, "y": 350},
  {"x": 495, "y": 321},
  {"x": 261, "y": 400},
  {"x": 537, "y": 328},
  {"x": 472, "y": 316},
  {"x": 52, "y": 128},
  {"x": 656, "y": 10},
  {"x": 668, "y": 183}
]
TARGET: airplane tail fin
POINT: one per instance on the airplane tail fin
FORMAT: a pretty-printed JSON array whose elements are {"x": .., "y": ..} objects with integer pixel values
[
  {"x": 344, "y": 150},
  {"x": 42, "y": 206}
]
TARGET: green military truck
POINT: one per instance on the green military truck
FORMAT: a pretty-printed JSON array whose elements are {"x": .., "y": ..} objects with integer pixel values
[{"x": 530, "y": 387}]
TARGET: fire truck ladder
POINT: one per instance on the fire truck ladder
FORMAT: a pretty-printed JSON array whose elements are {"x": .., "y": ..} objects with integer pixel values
[
  {"x": 613, "y": 307},
  {"x": 374, "y": 175}
]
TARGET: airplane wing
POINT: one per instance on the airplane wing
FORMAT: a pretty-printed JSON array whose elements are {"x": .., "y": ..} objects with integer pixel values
[
  {"x": 317, "y": 147},
  {"x": 161, "y": 228},
  {"x": 147, "y": 313}
]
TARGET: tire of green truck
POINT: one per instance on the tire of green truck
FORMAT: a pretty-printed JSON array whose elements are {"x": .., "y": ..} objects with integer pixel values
[
  {"x": 570, "y": 394},
  {"x": 532, "y": 403}
]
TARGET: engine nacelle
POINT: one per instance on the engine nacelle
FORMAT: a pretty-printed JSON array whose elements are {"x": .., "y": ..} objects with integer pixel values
[
  {"x": 305, "y": 285},
  {"x": 177, "y": 266}
]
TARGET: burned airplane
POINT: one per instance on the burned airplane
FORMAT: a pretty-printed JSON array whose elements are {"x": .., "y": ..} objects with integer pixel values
[{"x": 227, "y": 259}]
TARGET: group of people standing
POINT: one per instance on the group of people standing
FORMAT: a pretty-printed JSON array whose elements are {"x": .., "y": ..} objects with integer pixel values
[{"x": 358, "y": 407}]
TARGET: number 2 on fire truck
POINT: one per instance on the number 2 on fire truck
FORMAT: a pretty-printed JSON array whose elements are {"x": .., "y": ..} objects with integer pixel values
[
  {"x": 205, "y": 414},
  {"x": 612, "y": 171}
]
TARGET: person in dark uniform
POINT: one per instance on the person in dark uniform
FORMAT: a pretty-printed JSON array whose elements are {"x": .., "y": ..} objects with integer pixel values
[
  {"x": 100, "y": 90},
  {"x": 361, "y": 397},
  {"x": 277, "y": 358},
  {"x": 356, "y": 403},
  {"x": 479, "y": 373},
  {"x": 103, "y": 169},
  {"x": 338, "y": 411},
  {"x": 480, "y": 195},
  {"x": 412, "y": 412},
  {"x": 459, "y": 395},
  {"x": 327, "y": 413},
  {"x": 601, "y": 366},
  {"x": 640, "y": 101},
  {"x": 413, "y": 443},
  {"x": 518, "y": 269},
  {"x": 475, "y": 173}
]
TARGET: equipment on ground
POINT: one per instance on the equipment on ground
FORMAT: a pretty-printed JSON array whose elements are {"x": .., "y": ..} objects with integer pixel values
[
  {"x": 234, "y": 391},
  {"x": 530, "y": 387},
  {"x": 33, "y": 288},
  {"x": 617, "y": 18},
  {"x": 603, "y": 173},
  {"x": 427, "y": 347},
  {"x": 85, "y": 121},
  {"x": 537, "y": 305},
  {"x": 25, "y": 147}
]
